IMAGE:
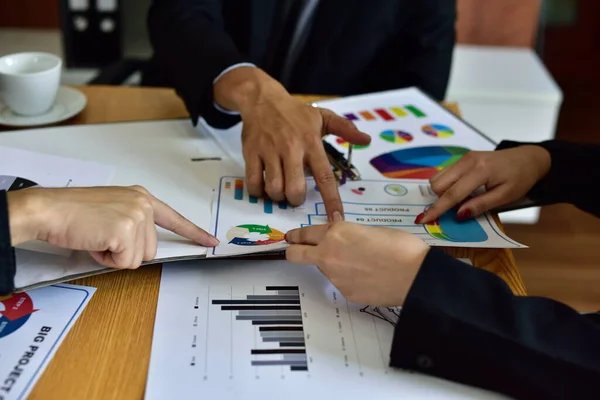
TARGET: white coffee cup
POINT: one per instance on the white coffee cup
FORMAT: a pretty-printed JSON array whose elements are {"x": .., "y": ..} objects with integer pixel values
[{"x": 29, "y": 82}]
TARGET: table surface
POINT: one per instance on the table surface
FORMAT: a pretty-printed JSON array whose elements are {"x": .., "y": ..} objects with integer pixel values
[{"x": 106, "y": 355}]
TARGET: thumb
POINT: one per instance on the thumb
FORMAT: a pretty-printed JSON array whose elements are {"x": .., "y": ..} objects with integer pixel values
[{"x": 342, "y": 128}]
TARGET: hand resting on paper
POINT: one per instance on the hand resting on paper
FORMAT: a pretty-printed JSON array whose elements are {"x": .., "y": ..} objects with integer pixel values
[
  {"x": 369, "y": 265},
  {"x": 115, "y": 224},
  {"x": 281, "y": 136},
  {"x": 507, "y": 175}
]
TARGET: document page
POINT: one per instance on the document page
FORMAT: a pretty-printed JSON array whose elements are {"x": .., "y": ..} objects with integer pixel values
[
  {"x": 33, "y": 324},
  {"x": 231, "y": 329},
  {"x": 245, "y": 224}
]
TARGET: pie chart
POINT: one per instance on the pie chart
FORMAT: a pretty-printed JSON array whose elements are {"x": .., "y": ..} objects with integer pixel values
[
  {"x": 438, "y": 131},
  {"x": 345, "y": 144},
  {"x": 15, "y": 183},
  {"x": 418, "y": 162},
  {"x": 398, "y": 137},
  {"x": 254, "y": 235},
  {"x": 449, "y": 229}
]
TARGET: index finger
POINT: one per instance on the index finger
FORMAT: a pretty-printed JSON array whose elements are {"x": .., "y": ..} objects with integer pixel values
[
  {"x": 326, "y": 182},
  {"x": 166, "y": 217},
  {"x": 310, "y": 235},
  {"x": 455, "y": 194}
]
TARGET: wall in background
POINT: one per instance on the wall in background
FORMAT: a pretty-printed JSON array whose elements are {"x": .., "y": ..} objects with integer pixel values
[
  {"x": 498, "y": 22},
  {"x": 29, "y": 14}
]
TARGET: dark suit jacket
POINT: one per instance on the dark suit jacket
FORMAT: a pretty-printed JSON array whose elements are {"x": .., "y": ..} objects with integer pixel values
[
  {"x": 354, "y": 46},
  {"x": 464, "y": 324}
]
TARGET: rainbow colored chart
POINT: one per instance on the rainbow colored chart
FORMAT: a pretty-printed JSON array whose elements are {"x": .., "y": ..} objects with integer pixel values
[
  {"x": 345, "y": 144},
  {"x": 438, "y": 131},
  {"x": 418, "y": 162},
  {"x": 448, "y": 228},
  {"x": 386, "y": 114},
  {"x": 254, "y": 235},
  {"x": 397, "y": 137}
]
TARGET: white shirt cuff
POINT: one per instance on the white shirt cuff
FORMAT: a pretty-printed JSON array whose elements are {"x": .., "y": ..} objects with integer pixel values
[{"x": 226, "y": 70}]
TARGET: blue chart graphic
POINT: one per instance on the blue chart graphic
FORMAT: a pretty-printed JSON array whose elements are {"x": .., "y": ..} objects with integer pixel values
[
  {"x": 448, "y": 228},
  {"x": 238, "y": 194}
]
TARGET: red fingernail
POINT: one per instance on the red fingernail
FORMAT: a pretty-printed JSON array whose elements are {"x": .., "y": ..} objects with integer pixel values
[
  {"x": 419, "y": 218},
  {"x": 285, "y": 237},
  {"x": 464, "y": 214}
]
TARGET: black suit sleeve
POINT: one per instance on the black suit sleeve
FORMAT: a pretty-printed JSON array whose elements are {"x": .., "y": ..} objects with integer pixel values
[
  {"x": 573, "y": 171},
  {"x": 7, "y": 252},
  {"x": 464, "y": 324},
  {"x": 429, "y": 38},
  {"x": 191, "y": 48}
]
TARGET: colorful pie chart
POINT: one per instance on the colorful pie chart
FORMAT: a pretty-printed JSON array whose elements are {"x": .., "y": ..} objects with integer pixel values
[
  {"x": 254, "y": 235},
  {"x": 418, "y": 162},
  {"x": 438, "y": 131},
  {"x": 449, "y": 229},
  {"x": 398, "y": 137}
]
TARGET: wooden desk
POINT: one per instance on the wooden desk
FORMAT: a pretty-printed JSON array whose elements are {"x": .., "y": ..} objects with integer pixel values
[{"x": 106, "y": 354}]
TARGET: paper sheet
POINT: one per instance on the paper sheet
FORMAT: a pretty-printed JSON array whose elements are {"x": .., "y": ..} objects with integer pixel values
[
  {"x": 32, "y": 326},
  {"x": 397, "y": 121},
  {"x": 21, "y": 169},
  {"x": 245, "y": 224},
  {"x": 227, "y": 329}
]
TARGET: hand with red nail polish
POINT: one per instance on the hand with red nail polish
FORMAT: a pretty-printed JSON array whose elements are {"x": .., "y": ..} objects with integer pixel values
[
  {"x": 506, "y": 175},
  {"x": 369, "y": 265}
]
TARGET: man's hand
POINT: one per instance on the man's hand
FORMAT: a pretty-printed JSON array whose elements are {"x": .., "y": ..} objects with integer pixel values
[
  {"x": 115, "y": 224},
  {"x": 281, "y": 136},
  {"x": 369, "y": 265}
]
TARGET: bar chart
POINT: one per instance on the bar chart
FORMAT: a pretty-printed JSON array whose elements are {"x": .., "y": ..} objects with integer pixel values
[
  {"x": 386, "y": 114},
  {"x": 277, "y": 317},
  {"x": 239, "y": 192}
]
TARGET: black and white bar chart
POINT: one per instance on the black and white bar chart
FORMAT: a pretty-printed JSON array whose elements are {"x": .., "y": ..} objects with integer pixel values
[
  {"x": 278, "y": 319},
  {"x": 232, "y": 330}
]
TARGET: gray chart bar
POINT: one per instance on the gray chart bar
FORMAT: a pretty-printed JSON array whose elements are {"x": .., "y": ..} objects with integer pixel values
[{"x": 277, "y": 362}]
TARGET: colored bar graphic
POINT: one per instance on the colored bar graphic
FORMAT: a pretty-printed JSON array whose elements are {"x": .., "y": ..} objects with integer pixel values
[
  {"x": 272, "y": 297},
  {"x": 268, "y": 206},
  {"x": 239, "y": 308},
  {"x": 294, "y": 301},
  {"x": 280, "y": 329},
  {"x": 367, "y": 115},
  {"x": 239, "y": 189},
  {"x": 278, "y": 323},
  {"x": 291, "y": 288},
  {"x": 398, "y": 111},
  {"x": 278, "y": 351},
  {"x": 268, "y": 317},
  {"x": 351, "y": 117},
  {"x": 417, "y": 113},
  {"x": 282, "y": 205},
  {"x": 384, "y": 114},
  {"x": 279, "y": 362},
  {"x": 283, "y": 339},
  {"x": 252, "y": 199}
]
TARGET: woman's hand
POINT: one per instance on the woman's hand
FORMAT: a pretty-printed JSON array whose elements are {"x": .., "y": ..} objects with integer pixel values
[
  {"x": 115, "y": 224},
  {"x": 506, "y": 174},
  {"x": 369, "y": 265}
]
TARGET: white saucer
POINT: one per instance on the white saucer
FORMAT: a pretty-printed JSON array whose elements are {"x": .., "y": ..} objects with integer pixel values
[{"x": 69, "y": 102}]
